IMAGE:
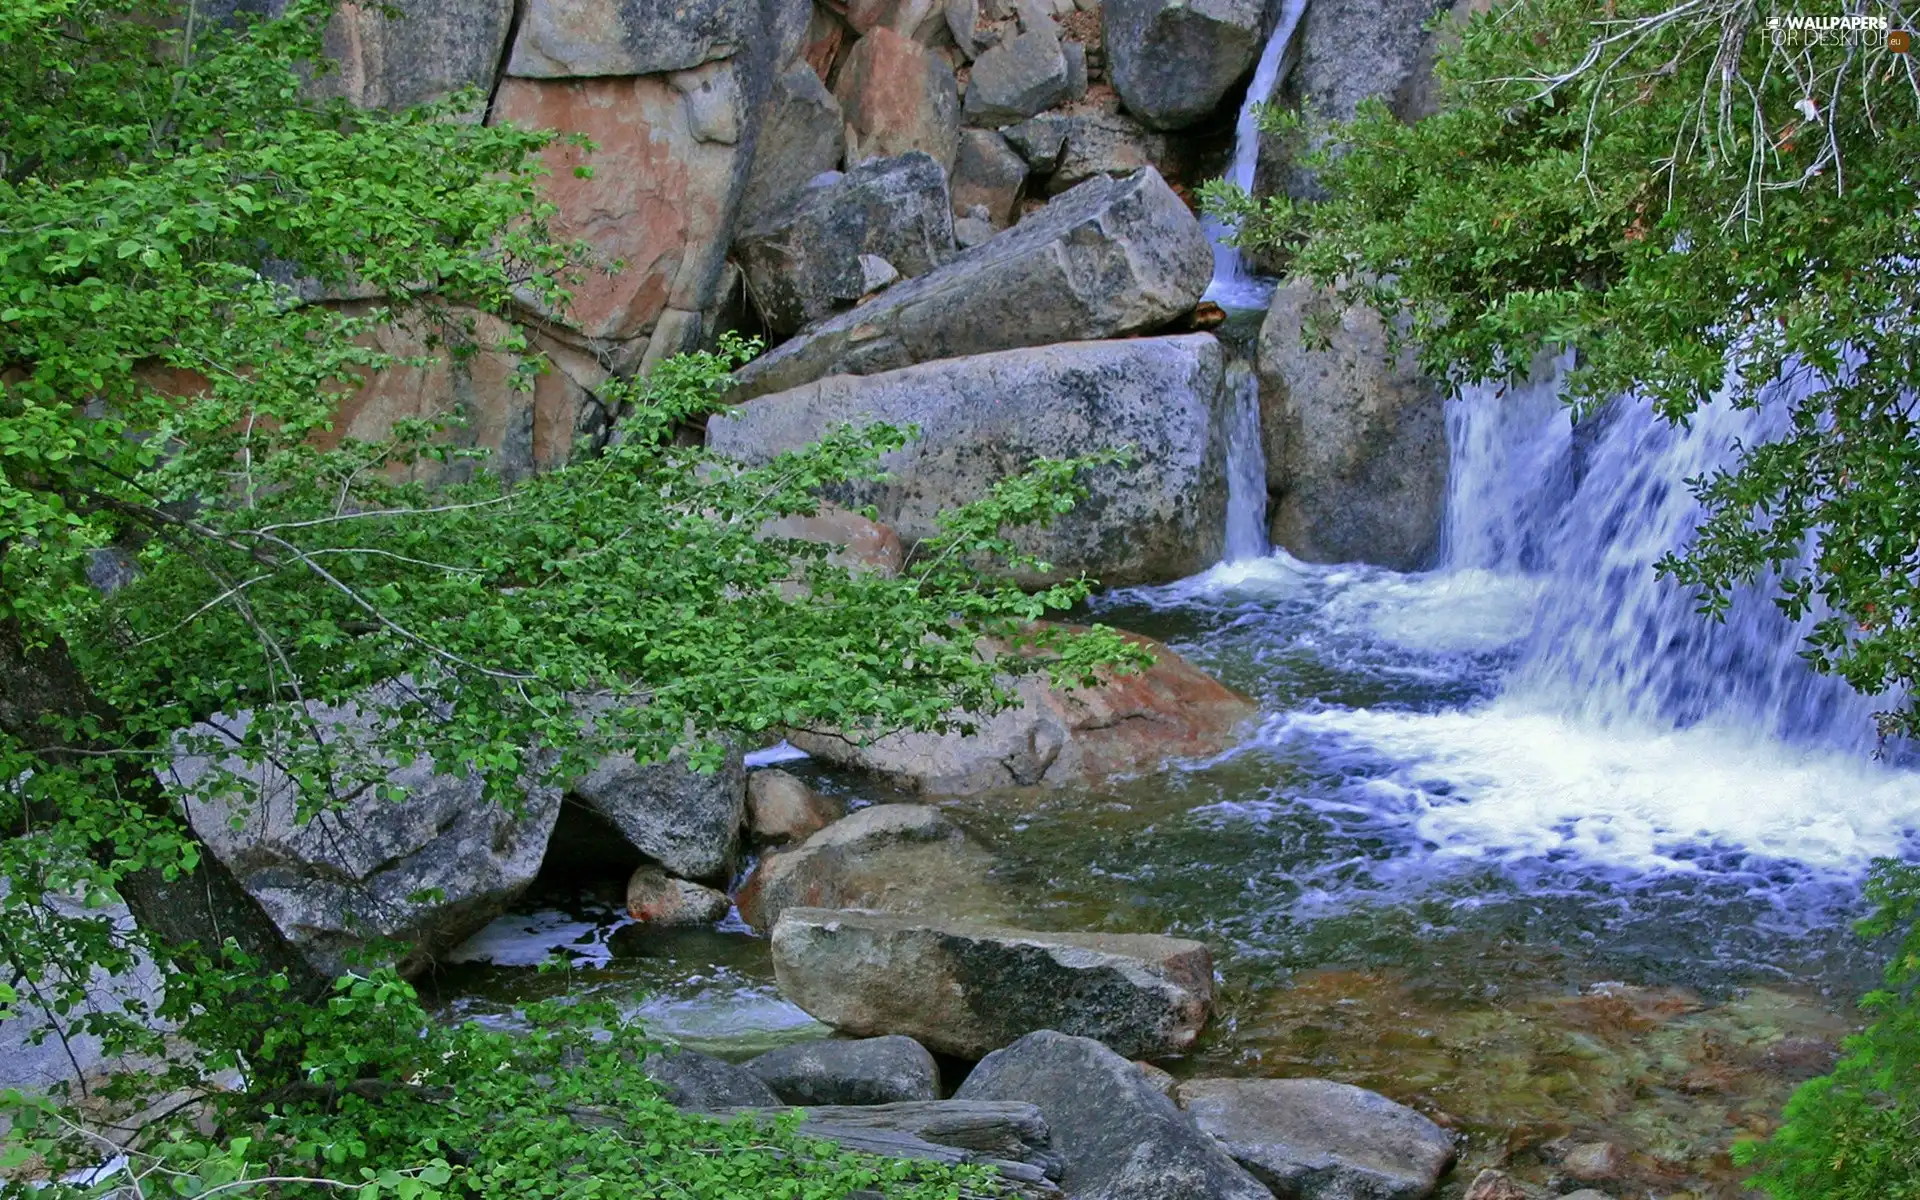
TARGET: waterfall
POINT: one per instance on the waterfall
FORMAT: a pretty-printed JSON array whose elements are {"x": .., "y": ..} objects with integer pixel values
[
  {"x": 1234, "y": 285},
  {"x": 1587, "y": 512},
  {"x": 1246, "y": 467}
]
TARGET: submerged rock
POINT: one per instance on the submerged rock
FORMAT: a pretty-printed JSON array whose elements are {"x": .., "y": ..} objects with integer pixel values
[
  {"x": 1011, "y": 1137},
  {"x": 1172, "y": 61},
  {"x": 1117, "y": 1138},
  {"x": 903, "y": 858},
  {"x": 1498, "y": 1185},
  {"x": 1313, "y": 1139},
  {"x": 879, "y": 1070},
  {"x": 965, "y": 988},
  {"x": 1128, "y": 724},
  {"x": 1356, "y": 447},
  {"x": 1113, "y": 256},
  {"x": 984, "y": 417}
]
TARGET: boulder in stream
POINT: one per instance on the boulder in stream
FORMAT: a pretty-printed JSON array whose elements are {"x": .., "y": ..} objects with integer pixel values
[
  {"x": 878, "y": 1070},
  {"x": 656, "y": 898},
  {"x": 690, "y": 1079},
  {"x": 1117, "y": 1138},
  {"x": 1128, "y": 724},
  {"x": 782, "y": 808},
  {"x": 1356, "y": 446},
  {"x": 1111, "y": 257},
  {"x": 686, "y": 821},
  {"x": 904, "y": 858},
  {"x": 966, "y": 988},
  {"x": 1313, "y": 1139}
]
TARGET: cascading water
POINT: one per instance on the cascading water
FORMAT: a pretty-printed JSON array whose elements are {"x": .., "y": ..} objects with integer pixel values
[
  {"x": 1234, "y": 285},
  {"x": 1246, "y": 468}
]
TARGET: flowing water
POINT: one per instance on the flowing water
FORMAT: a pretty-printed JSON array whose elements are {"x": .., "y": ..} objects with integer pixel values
[
  {"x": 1521, "y": 840},
  {"x": 1234, "y": 283}
]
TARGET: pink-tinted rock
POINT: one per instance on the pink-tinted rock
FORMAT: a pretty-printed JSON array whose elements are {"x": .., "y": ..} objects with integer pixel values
[
  {"x": 525, "y": 431},
  {"x": 661, "y": 196},
  {"x": 863, "y": 543},
  {"x": 657, "y": 898},
  {"x": 898, "y": 96},
  {"x": 1127, "y": 724}
]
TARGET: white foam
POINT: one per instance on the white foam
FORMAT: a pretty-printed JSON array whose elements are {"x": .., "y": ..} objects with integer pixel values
[{"x": 1504, "y": 783}]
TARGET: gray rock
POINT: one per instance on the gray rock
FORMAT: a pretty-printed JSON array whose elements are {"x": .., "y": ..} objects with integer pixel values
[
  {"x": 1117, "y": 1138},
  {"x": 898, "y": 96},
  {"x": 428, "y": 871},
  {"x": 782, "y": 808},
  {"x": 963, "y": 987},
  {"x": 1173, "y": 60},
  {"x": 1076, "y": 54},
  {"x": 687, "y": 822},
  {"x": 690, "y": 1079},
  {"x": 1350, "y": 51},
  {"x": 1058, "y": 737},
  {"x": 880, "y": 1070},
  {"x": 1356, "y": 447},
  {"x": 656, "y": 898},
  {"x": 803, "y": 262},
  {"x": 901, "y": 858},
  {"x": 1115, "y": 256},
  {"x": 969, "y": 232},
  {"x": 435, "y": 48},
  {"x": 876, "y": 273},
  {"x": 987, "y": 172},
  {"x": 1313, "y": 1139},
  {"x": 1017, "y": 79},
  {"x": 1498, "y": 1185},
  {"x": 1101, "y": 143},
  {"x": 1010, "y": 1136},
  {"x": 802, "y": 134},
  {"x": 988, "y": 415},
  {"x": 1039, "y": 141},
  {"x": 572, "y": 38}
]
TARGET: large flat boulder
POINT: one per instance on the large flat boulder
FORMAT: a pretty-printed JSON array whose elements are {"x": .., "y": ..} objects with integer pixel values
[
  {"x": 687, "y": 821},
  {"x": 880, "y": 1070},
  {"x": 804, "y": 260},
  {"x": 1313, "y": 1139},
  {"x": 1172, "y": 61},
  {"x": 1116, "y": 1137},
  {"x": 428, "y": 870},
  {"x": 1111, "y": 257},
  {"x": 577, "y": 38},
  {"x": 1128, "y": 724},
  {"x": 900, "y": 858},
  {"x": 987, "y": 416},
  {"x": 967, "y": 988},
  {"x": 1356, "y": 443}
]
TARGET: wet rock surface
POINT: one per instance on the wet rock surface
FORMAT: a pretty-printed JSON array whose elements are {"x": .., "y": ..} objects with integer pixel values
[
  {"x": 690, "y": 1079},
  {"x": 878, "y": 1070},
  {"x": 1117, "y": 1138},
  {"x": 1313, "y": 1139},
  {"x": 966, "y": 988},
  {"x": 656, "y": 898}
]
